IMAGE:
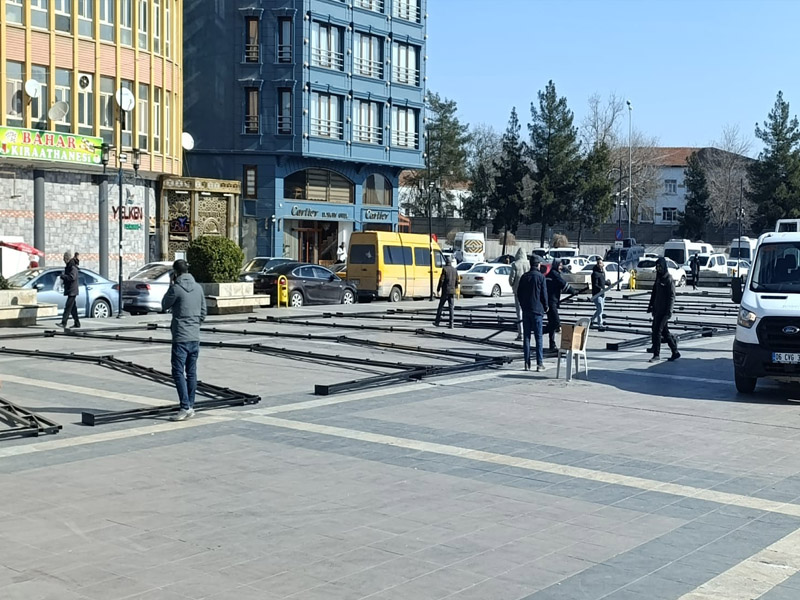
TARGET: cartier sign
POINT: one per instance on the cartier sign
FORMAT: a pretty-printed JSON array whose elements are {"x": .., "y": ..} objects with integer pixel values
[{"x": 376, "y": 215}]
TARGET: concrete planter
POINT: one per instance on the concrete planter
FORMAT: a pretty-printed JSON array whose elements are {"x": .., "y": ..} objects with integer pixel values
[
  {"x": 232, "y": 298},
  {"x": 228, "y": 290},
  {"x": 17, "y": 297},
  {"x": 18, "y": 308}
]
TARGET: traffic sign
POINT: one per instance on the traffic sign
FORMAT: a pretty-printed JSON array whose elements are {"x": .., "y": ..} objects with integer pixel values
[{"x": 618, "y": 234}]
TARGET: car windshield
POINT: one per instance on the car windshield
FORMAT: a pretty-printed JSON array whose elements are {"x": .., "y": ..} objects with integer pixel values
[
  {"x": 20, "y": 279},
  {"x": 152, "y": 273},
  {"x": 776, "y": 268},
  {"x": 702, "y": 260},
  {"x": 588, "y": 268},
  {"x": 481, "y": 269},
  {"x": 676, "y": 254}
]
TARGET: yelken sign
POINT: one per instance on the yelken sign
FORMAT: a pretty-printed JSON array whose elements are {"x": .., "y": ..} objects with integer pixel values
[{"x": 51, "y": 146}]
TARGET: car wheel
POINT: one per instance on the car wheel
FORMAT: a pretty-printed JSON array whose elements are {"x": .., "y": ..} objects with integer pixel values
[
  {"x": 396, "y": 294},
  {"x": 682, "y": 282},
  {"x": 496, "y": 292},
  {"x": 296, "y": 299},
  {"x": 348, "y": 297},
  {"x": 744, "y": 384},
  {"x": 101, "y": 309}
]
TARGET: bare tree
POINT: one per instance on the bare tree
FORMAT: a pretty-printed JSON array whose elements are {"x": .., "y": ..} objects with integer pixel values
[
  {"x": 640, "y": 165},
  {"x": 602, "y": 122},
  {"x": 483, "y": 152},
  {"x": 726, "y": 172}
]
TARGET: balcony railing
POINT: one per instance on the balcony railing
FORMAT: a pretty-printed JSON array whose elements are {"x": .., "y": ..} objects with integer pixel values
[
  {"x": 405, "y": 139},
  {"x": 284, "y": 124},
  {"x": 408, "y": 11},
  {"x": 405, "y": 75},
  {"x": 284, "y": 53},
  {"x": 327, "y": 59},
  {"x": 326, "y": 128},
  {"x": 367, "y": 134},
  {"x": 368, "y": 67},
  {"x": 251, "y": 53},
  {"x": 251, "y": 123},
  {"x": 373, "y": 5}
]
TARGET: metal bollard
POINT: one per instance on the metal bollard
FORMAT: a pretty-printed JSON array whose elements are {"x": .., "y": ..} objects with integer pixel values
[{"x": 283, "y": 292}]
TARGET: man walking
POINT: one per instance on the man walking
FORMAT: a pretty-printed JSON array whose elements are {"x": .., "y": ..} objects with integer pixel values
[
  {"x": 662, "y": 299},
  {"x": 532, "y": 292},
  {"x": 556, "y": 285},
  {"x": 518, "y": 269},
  {"x": 694, "y": 266},
  {"x": 599, "y": 284},
  {"x": 448, "y": 283},
  {"x": 71, "y": 279},
  {"x": 188, "y": 304}
]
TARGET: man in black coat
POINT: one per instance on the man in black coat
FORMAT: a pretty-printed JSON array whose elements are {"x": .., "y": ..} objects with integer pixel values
[
  {"x": 532, "y": 294},
  {"x": 662, "y": 300},
  {"x": 71, "y": 277},
  {"x": 599, "y": 284},
  {"x": 448, "y": 283},
  {"x": 694, "y": 266},
  {"x": 556, "y": 285}
]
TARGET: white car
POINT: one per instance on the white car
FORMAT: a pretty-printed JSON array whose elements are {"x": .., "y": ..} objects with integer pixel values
[
  {"x": 613, "y": 273},
  {"x": 713, "y": 269},
  {"x": 486, "y": 279},
  {"x": 646, "y": 272},
  {"x": 573, "y": 264},
  {"x": 738, "y": 268},
  {"x": 463, "y": 267}
]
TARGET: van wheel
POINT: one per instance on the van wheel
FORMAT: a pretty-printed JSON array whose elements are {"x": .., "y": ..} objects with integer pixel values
[
  {"x": 496, "y": 292},
  {"x": 744, "y": 384},
  {"x": 396, "y": 294}
]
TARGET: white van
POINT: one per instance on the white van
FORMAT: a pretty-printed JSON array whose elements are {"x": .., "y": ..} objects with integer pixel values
[
  {"x": 788, "y": 225},
  {"x": 562, "y": 252},
  {"x": 743, "y": 248},
  {"x": 680, "y": 251},
  {"x": 469, "y": 246},
  {"x": 767, "y": 340}
]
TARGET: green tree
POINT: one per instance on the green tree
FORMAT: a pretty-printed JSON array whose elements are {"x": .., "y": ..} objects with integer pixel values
[
  {"x": 555, "y": 151},
  {"x": 484, "y": 150},
  {"x": 507, "y": 199},
  {"x": 775, "y": 176},
  {"x": 693, "y": 221},
  {"x": 593, "y": 203}
]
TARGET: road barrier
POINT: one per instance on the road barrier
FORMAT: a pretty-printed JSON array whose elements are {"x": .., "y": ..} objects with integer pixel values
[{"x": 283, "y": 291}]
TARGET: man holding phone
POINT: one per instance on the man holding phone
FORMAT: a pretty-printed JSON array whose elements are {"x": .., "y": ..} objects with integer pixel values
[{"x": 188, "y": 304}]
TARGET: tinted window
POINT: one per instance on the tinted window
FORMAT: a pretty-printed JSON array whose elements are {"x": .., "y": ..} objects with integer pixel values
[
  {"x": 676, "y": 254},
  {"x": 481, "y": 269},
  {"x": 671, "y": 265},
  {"x": 255, "y": 265},
  {"x": 304, "y": 272},
  {"x": 439, "y": 258},
  {"x": 503, "y": 270},
  {"x": 362, "y": 254},
  {"x": 611, "y": 268},
  {"x": 23, "y": 277},
  {"x": 322, "y": 273},
  {"x": 397, "y": 255},
  {"x": 702, "y": 260},
  {"x": 422, "y": 257}
]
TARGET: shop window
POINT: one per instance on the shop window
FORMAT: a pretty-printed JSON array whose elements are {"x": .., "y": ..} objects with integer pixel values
[
  {"x": 284, "y": 40},
  {"x": 377, "y": 190},
  {"x": 252, "y": 45},
  {"x": 250, "y": 181},
  {"x": 63, "y": 90},
  {"x": 14, "y": 12},
  {"x": 86, "y": 17},
  {"x": 14, "y": 94},
  {"x": 38, "y": 105},
  {"x": 319, "y": 185}
]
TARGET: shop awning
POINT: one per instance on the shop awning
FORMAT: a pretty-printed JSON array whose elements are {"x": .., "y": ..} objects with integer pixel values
[{"x": 22, "y": 247}]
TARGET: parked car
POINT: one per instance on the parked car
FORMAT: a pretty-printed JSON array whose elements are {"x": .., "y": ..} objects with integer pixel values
[
  {"x": 308, "y": 284},
  {"x": 144, "y": 292},
  {"x": 646, "y": 272},
  {"x": 505, "y": 259},
  {"x": 97, "y": 296},
  {"x": 562, "y": 252},
  {"x": 713, "y": 269},
  {"x": 613, "y": 271},
  {"x": 464, "y": 266},
  {"x": 486, "y": 279},
  {"x": 738, "y": 268},
  {"x": 259, "y": 265},
  {"x": 148, "y": 266},
  {"x": 591, "y": 258},
  {"x": 573, "y": 263}
]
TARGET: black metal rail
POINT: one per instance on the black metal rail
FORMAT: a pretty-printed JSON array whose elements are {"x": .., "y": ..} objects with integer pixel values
[{"x": 22, "y": 422}]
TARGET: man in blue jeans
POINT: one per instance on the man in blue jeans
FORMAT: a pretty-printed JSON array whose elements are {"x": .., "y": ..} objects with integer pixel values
[
  {"x": 188, "y": 304},
  {"x": 532, "y": 294}
]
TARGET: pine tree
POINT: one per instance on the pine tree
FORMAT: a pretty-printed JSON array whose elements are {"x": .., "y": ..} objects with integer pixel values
[
  {"x": 775, "y": 176},
  {"x": 593, "y": 204},
  {"x": 508, "y": 197},
  {"x": 693, "y": 221},
  {"x": 555, "y": 150}
]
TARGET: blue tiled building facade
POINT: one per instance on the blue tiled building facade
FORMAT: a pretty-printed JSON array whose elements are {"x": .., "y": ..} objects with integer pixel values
[{"x": 315, "y": 105}]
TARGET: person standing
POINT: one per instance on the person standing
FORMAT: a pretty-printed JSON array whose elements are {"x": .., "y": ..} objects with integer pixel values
[
  {"x": 556, "y": 285},
  {"x": 662, "y": 299},
  {"x": 448, "y": 283},
  {"x": 599, "y": 284},
  {"x": 694, "y": 266},
  {"x": 519, "y": 267},
  {"x": 71, "y": 279},
  {"x": 188, "y": 304},
  {"x": 341, "y": 253},
  {"x": 532, "y": 291}
]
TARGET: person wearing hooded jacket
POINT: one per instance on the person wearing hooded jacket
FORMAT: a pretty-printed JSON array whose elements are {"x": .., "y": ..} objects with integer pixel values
[
  {"x": 556, "y": 286},
  {"x": 71, "y": 279},
  {"x": 599, "y": 284},
  {"x": 662, "y": 300},
  {"x": 188, "y": 304},
  {"x": 519, "y": 267}
]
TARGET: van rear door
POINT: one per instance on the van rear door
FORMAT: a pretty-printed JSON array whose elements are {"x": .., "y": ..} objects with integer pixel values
[{"x": 362, "y": 266}]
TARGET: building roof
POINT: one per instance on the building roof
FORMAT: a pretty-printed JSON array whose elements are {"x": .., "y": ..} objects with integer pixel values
[{"x": 672, "y": 157}]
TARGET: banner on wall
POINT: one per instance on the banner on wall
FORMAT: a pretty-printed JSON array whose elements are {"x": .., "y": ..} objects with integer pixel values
[{"x": 51, "y": 146}]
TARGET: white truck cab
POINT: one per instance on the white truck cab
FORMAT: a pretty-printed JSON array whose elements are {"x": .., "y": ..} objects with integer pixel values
[{"x": 767, "y": 342}]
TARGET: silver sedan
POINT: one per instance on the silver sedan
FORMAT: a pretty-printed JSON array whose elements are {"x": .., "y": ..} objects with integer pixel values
[
  {"x": 144, "y": 291},
  {"x": 97, "y": 296}
]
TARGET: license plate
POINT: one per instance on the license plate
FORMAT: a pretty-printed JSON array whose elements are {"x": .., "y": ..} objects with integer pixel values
[{"x": 786, "y": 358}]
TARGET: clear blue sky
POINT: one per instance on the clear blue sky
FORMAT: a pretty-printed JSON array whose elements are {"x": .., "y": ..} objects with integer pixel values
[{"x": 689, "y": 67}]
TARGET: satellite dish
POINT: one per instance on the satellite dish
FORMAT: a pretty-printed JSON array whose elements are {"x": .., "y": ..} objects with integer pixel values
[
  {"x": 58, "y": 111},
  {"x": 33, "y": 88},
  {"x": 187, "y": 141},
  {"x": 125, "y": 99}
]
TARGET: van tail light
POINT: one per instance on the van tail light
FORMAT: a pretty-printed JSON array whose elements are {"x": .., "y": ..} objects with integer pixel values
[
  {"x": 379, "y": 277},
  {"x": 142, "y": 286}
]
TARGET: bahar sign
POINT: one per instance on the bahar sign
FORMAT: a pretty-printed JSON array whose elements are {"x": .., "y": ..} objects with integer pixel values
[{"x": 50, "y": 146}]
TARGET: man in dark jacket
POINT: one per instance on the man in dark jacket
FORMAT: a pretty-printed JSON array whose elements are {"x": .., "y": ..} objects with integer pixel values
[
  {"x": 188, "y": 304},
  {"x": 694, "y": 266},
  {"x": 448, "y": 283},
  {"x": 71, "y": 279},
  {"x": 532, "y": 294},
  {"x": 662, "y": 299},
  {"x": 599, "y": 284},
  {"x": 556, "y": 285}
]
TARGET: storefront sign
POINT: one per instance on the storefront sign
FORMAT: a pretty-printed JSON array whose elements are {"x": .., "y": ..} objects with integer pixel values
[
  {"x": 319, "y": 214},
  {"x": 179, "y": 225},
  {"x": 133, "y": 225},
  {"x": 51, "y": 146},
  {"x": 377, "y": 215},
  {"x": 129, "y": 213},
  {"x": 196, "y": 184}
]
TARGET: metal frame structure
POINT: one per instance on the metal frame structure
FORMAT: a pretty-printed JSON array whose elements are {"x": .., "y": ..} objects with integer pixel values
[{"x": 23, "y": 422}]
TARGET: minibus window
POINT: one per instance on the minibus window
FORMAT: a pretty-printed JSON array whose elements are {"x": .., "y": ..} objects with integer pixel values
[
  {"x": 422, "y": 257},
  {"x": 397, "y": 255},
  {"x": 362, "y": 254}
]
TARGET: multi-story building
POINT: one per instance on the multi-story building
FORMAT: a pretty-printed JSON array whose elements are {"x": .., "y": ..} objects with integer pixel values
[
  {"x": 316, "y": 105},
  {"x": 69, "y": 67}
]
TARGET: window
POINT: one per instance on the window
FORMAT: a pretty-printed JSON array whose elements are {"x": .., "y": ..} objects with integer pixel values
[
  {"x": 86, "y": 17},
  {"x": 367, "y": 127},
  {"x": 143, "y": 115},
  {"x": 373, "y": 5},
  {"x": 251, "y": 110},
  {"x": 64, "y": 94},
  {"x": 39, "y": 105},
  {"x": 167, "y": 28},
  {"x": 156, "y": 119},
  {"x": 157, "y": 26},
  {"x": 669, "y": 214},
  {"x": 320, "y": 185},
  {"x": 362, "y": 254},
  {"x": 405, "y": 64},
  {"x": 167, "y": 122},
  {"x": 397, "y": 255},
  {"x": 86, "y": 110},
  {"x": 14, "y": 11},
  {"x": 107, "y": 109},
  {"x": 126, "y": 22},
  {"x": 63, "y": 14},
  {"x": 671, "y": 186},
  {"x": 326, "y": 46},
  {"x": 406, "y": 9},
  {"x": 284, "y": 40},
  {"x": 422, "y": 257},
  {"x": 377, "y": 190},
  {"x": 326, "y": 116},
  {"x": 106, "y": 19},
  {"x": 143, "y": 37},
  {"x": 285, "y": 111},
  {"x": 14, "y": 94},
  {"x": 39, "y": 16},
  {"x": 250, "y": 181},
  {"x": 126, "y": 119},
  {"x": 404, "y": 127},
  {"x": 367, "y": 55},
  {"x": 251, "y": 41}
]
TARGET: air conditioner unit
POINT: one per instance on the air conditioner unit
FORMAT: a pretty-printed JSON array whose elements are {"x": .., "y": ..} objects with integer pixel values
[{"x": 85, "y": 81}]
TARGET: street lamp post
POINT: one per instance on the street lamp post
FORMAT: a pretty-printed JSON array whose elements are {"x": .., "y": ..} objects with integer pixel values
[
  {"x": 122, "y": 158},
  {"x": 630, "y": 165}
]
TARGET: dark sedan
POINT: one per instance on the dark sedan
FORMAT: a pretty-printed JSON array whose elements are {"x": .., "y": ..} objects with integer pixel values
[
  {"x": 260, "y": 265},
  {"x": 308, "y": 284}
]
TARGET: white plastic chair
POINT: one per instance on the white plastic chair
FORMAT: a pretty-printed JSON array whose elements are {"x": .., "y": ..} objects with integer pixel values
[{"x": 576, "y": 354}]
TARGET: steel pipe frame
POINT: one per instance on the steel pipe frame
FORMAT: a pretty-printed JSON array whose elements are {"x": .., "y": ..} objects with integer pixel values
[
  {"x": 644, "y": 340},
  {"x": 24, "y": 422}
]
